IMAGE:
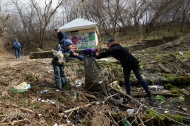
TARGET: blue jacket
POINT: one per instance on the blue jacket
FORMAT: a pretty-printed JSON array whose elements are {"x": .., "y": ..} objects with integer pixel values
[{"x": 16, "y": 45}]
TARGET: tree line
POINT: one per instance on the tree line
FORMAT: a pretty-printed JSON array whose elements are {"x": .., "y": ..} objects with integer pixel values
[{"x": 33, "y": 21}]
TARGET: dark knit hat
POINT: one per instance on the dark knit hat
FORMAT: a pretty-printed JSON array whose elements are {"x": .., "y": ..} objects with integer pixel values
[
  {"x": 109, "y": 40},
  {"x": 67, "y": 42}
]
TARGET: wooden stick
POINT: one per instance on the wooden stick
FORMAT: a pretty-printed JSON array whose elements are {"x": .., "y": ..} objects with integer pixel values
[
  {"x": 109, "y": 97},
  {"x": 19, "y": 121},
  {"x": 142, "y": 123},
  {"x": 147, "y": 120},
  {"x": 164, "y": 93},
  {"x": 76, "y": 108},
  {"x": 88, "y": 95},
  {"x": 24, "y": 109},
  {"x": 126, "y": 95}
]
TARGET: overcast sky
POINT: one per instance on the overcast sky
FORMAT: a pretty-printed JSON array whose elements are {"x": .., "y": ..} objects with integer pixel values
[{"x": 7, "y": 5}]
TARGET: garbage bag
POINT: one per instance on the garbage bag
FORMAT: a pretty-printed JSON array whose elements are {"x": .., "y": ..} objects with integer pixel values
[{"x": 94, "y": 80}]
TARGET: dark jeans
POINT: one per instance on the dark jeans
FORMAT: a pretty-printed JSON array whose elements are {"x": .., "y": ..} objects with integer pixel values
[
  {"x": 17, "y": 53},
  {"x": 60, "y": 78},
  {"x": 137, "y": 73}
]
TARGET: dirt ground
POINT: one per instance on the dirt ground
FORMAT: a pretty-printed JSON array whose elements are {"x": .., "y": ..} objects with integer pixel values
[
  {"x": 8, "y": 60},
  {"x": 28, "y": 108}
]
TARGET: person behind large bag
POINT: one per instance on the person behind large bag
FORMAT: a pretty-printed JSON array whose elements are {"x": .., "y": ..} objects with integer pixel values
[{"x": 128, "y": 62}]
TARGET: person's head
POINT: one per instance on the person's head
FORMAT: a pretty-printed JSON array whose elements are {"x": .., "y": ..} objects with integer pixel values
[
  {"x": 57, "y": 30},
  {"x": 110, "y": 42}
]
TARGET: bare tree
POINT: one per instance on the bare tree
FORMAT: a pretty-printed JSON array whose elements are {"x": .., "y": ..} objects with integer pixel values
[
  {"x": 35, "y": 22},
  {"x": 157, "y": 9},
  {"x": 113, "y": 16},
  {"x": 137, "y": 9},
  {"x": 184, "y": 10},
  {"x": 3, "y": 19}
]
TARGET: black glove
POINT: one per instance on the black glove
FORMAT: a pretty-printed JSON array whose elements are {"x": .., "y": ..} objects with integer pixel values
[{"x": 60, "y": 42}]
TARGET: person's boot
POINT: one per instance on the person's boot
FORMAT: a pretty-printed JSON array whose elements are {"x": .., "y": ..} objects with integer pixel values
[
  {"x": 150, "y": 98},
  {"x": 128, "y": 93}
]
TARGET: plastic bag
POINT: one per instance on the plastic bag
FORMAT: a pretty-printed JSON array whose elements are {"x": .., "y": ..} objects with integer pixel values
[
  {"x": 94, "y": 80},
  {"x": 59, "y": 55}
]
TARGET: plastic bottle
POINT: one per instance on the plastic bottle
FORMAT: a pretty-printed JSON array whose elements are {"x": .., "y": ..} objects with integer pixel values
[
  {"x": 43, "y": 91},
  {"x": 125, "y": 122},
  {"x": 75, "y": 95}
]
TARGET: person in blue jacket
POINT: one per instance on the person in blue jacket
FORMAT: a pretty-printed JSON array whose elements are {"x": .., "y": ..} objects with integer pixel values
[
  {"x": 58, "y": 65},
  {"x": 17, "y": 48}
]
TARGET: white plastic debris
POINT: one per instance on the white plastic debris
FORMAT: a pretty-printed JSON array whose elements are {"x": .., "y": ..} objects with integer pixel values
[
  {"x": 166, "y": 111},
  {"x": 78, "y": 82},
  {"x": 130, "y": 111},
  {"x": 55, "y": 124},
  {"x": 40, "y": 115},
  {"x": 100, "y": 82},
  {"x": 181, "y": 53},
  {"x": 39, "y": 99},
  {"x": 22, "y": 87},
  {"x": 75, "y": 95},
  {"x": 65, "y": 116},
  {"x": 43, "y": 91},
  {"x": 43, "y": 100},
  {"x": 52, "y": 101},
  {"x": 97, "y": 103},
  {"x": 68, "y": 122},
  {"x": 156, "y": 87}
]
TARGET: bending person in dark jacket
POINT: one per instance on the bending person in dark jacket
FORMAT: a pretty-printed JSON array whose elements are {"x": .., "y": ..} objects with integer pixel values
[{"x": 128, "y": 62}]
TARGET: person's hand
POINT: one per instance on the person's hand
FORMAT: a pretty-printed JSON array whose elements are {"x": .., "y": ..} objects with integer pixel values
[
  {"x": 60, "y": 42},
  {"x": 97, "y": 51},
  {"x": 76, "y": 54}
]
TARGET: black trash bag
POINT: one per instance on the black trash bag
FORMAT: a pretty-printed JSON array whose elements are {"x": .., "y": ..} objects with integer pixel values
[{"x": 94, "y": 80}]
